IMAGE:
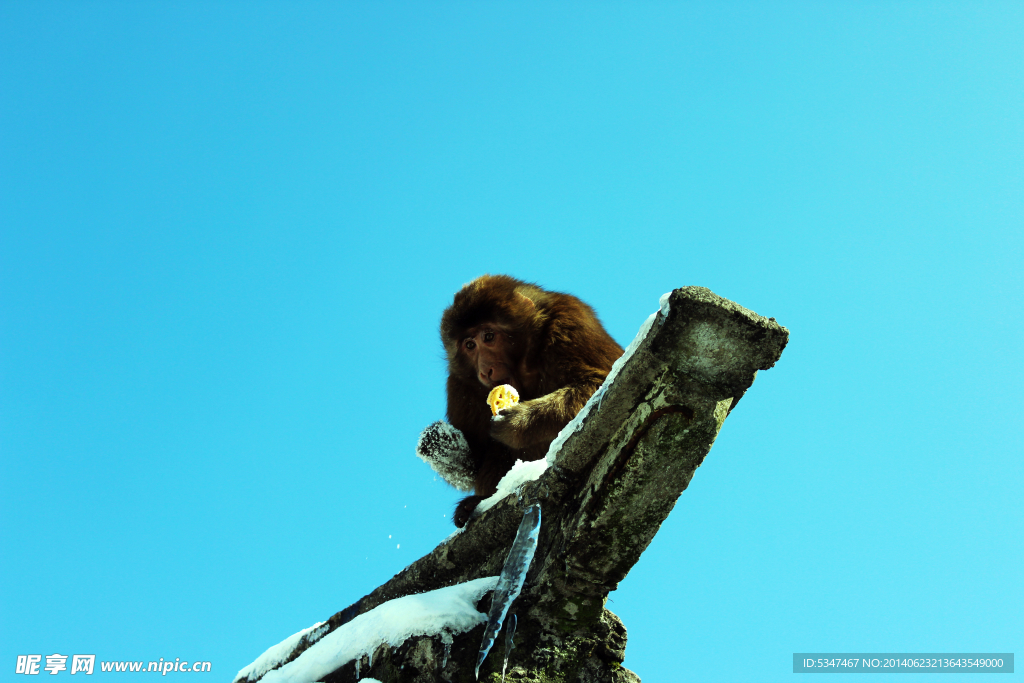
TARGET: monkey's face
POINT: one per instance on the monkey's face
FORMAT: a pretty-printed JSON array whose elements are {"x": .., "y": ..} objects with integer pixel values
[{"x": 489, "y": 350}]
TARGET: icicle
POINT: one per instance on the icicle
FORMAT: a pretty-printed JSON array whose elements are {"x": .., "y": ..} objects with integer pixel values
[
  {"x": 509, "y": 632},
  {"x": 511, "y": 580},
  {"x": 446, "y": 638},
  {"x": 359, "y": 660}
]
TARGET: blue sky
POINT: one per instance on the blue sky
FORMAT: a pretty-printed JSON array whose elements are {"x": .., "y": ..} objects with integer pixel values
[{"x": 228, "y": 231}]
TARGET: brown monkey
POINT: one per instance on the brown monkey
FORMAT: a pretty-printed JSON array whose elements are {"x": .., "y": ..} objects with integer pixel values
[{"x": 549, "y": 346}]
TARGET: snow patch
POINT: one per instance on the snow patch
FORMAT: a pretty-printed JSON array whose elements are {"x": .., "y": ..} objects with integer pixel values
[
  {"x": 522, "y": 472},
  {"x": 444, "y": 611},
  {"x": 273, "y": 656},
  {"x": 663, "y": 303}
]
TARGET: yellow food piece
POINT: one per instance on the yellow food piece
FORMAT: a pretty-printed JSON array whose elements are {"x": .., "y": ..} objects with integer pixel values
[{"x": 501, "y": 397}]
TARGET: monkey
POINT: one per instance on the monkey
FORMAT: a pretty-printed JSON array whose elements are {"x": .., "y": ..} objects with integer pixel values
[{"x": 550, "y": 346}]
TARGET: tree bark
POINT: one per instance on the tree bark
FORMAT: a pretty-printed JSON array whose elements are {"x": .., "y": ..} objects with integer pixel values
[{"x": 613, "y": 482}]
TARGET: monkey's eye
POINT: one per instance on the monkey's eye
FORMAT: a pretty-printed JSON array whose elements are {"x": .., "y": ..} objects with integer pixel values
[
  {"x": 488, "y": 336},
  {"x": 470, "y": 344}
]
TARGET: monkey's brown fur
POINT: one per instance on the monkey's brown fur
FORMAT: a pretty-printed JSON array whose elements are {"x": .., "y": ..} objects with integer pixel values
[{"x": 552, "y": 348}]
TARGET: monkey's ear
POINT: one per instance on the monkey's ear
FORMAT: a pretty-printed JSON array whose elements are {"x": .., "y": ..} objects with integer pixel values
[{"x": 525, "y": 299}]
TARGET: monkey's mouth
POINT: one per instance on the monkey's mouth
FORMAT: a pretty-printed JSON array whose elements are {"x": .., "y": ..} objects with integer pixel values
[{"x": 491, "y": 382}]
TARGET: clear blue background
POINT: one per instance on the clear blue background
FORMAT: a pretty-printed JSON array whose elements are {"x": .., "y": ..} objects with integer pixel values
[{"x": 228, "y": 230}]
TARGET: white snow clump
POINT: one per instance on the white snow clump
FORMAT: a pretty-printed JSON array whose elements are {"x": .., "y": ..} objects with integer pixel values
[
  {"x": 273, "y": 656},
  {"x": 522, "y": 472},
  {"x": 444, "y": 612}
]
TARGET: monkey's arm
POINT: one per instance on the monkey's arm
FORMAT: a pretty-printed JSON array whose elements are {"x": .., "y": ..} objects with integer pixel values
[
  {"x": 578, "y": 351},
  {"x": 538, "y": 421},
  {"x": 445, "y": 449}
]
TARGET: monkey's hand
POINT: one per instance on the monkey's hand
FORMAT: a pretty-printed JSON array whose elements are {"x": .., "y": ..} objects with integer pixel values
[
  {"x": 444, "y": 448},
  {"x": 511, "y": 426}
]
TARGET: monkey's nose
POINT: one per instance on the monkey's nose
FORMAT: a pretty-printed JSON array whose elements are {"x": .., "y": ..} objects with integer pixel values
[{"x": 492, "y": 376}]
